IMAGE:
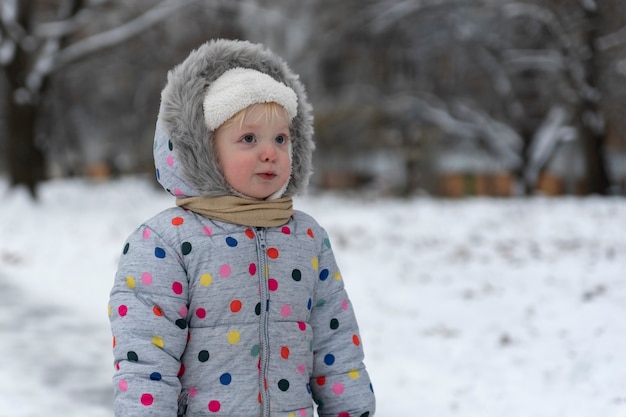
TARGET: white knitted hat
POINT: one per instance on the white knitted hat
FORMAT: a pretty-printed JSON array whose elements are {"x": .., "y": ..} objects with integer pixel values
[{"x": 239, "y": 88}]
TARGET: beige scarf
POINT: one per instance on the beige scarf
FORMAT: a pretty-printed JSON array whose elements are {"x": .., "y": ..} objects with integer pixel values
[{"x": 237, "y": 210}]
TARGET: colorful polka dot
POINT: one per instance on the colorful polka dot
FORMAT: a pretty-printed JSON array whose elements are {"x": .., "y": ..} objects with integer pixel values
[
  {"x": 170, "y": 145},
  {"x": 310, "y": 233},
  {"x": 249, "y": 233},
  {"x": 337, "y": 276},
  {"x": 344, "y": 305},
  {"x": 329, "y": 359},
  {"x": 320, "y": 380},
  {"x": 146, "y": 278},
  {"x": 252, "y": 269},
  {"x": 185, "y": 248},
  {"x": 146, "y": 233},
  {"x": 235, "y": 306},
  {"x": 338, "y": 388},
  {"x": 231, "y": 241},
  {"x": 177, "y": 221},
  {"x": 302, "y": 325},
  {"x": 214, "y": 406},
  {"x": 159, "y": 252},
  {"x": 206, "y": 280},
  {"x": 177, "y": 287},
  {"x": 203, "y": 355},
  {"x": 181, "y": 323},
  {"x": 256, "y": 349},
  {"x": 285, "y": 310},
  {"x": 130, "y": 282},
  {"x": 170, "y": 160},
  {"x": 200, "y": 313},
  {"x": 225, "y": 271},
  {"x": 324, "y": 274},
  {"x": 315, "y": 263},
  {"x": 354, "y": 374},
  {"x": 122, "y": 310},
  {"x": 272, "y": 253},
  {"x": 132, "y": 356},
  {"x": 283, "y": 385},
  {"x": 126, "y": 247},
  {"x": 233, "y": 337},
  {"x": 272, "y": 284},
  {"x": 284, "y": 352},
  {"x": 334, "y": 324},
  {"x": 286, "y": 230},
  {"x": 123, "y": 385},
  {"x": 226, "y": 379},
  {"x": 207, "y": 230},
  {"x": 356, "y": 340},
  {"x": 158, "y": 341},
  {"x": 155, "y": 376},
  {"x": 296, "y": 275}
]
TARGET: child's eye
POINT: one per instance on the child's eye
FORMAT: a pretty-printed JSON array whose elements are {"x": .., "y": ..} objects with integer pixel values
[
  {"x": 280, "y": 139},
  {"x": 248, "y": 139}
]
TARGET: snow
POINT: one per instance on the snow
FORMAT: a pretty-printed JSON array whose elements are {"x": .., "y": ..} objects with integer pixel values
[{"x": 473, "y": 308}]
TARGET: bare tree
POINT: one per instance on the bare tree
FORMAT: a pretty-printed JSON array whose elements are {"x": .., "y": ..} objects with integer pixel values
[{"x": 38, "y": 38}]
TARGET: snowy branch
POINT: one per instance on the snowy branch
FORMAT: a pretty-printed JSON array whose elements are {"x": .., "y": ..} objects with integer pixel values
[
  {"x": 612, "y": 40},
  {"x": 119, "y": 34}
]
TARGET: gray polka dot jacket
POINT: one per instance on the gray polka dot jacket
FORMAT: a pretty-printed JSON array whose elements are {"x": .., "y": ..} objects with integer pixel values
[{"x": 218, "y": 319}]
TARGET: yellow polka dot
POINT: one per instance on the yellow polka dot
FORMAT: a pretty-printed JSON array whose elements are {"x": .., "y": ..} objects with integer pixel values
[
  {"x": 291, "y": 415},
  {"x": 315, "y": 263},
  {"x": 206, "y": 280},
  {"x": 109, "y": 309},
  {"x": 353, "y": 374},
  {"x": 130, "y": 281},
  {"x": 233, "y": 337},
  {"x": 157, "y": 341},
  {"x": 337, "y": 276}
]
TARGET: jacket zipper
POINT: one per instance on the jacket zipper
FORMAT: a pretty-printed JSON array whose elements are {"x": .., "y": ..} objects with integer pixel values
[{"x": 262, "y": 272}]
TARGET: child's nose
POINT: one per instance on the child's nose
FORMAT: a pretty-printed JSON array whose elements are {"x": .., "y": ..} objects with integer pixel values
[{"x": 269, "y": 152}]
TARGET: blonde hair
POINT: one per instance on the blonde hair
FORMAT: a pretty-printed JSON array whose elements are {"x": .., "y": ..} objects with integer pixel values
[{"x": 271, "y": 111}]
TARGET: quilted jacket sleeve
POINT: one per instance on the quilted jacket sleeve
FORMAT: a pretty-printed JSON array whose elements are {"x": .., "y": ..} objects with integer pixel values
[
  {"x": 340, "y": 382},
  {"x": 147, "y": 312}
]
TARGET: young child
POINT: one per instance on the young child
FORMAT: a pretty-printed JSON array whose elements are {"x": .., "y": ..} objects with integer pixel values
[{"x": 231, "y": 304}]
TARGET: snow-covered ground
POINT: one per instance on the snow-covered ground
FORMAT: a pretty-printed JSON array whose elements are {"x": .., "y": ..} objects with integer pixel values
[{"x": 473, "y": 308}]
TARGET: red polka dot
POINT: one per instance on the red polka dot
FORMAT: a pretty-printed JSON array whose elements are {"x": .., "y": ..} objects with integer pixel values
[
  {"x": 302, "y": 325},
  {"x": 181, "y": 371},
  {"x": 310, "y": 233},
  {"x": 252, "y": 269},
  {"x": 272, "y": 253},
  {"x": 147, "y": 399},
  {"x": 284, "y": 352},
  {"x": 286, "y": 230},
  {"x": 235, "y": 306},
  {"x": 177, "y": 221},
  {"x": 114, "y": 341},
  {"x": 272, "y": 284},
  {"x": 249, "y": 233},
  {"x": 320, "y": 380},
  {"x": 214, "y": 406},
  {"x": 356, "y": 340},
  {"x": 177, "y": 287},
  {"x": 122, "y": 310},
  {"x": 344, "y": 415},
  {"x": 157, "y": 311},
  {"x": 201, "y": 313}
]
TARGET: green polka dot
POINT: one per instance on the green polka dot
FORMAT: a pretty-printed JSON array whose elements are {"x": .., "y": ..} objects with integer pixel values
[
  {"x": 334, "y": 324},
  {"x": 203, "y": 355},
  {"x": 186, "y": 248},
  {"x": 283, "y": 385},
  {"x": 256, "y": 349},
  {"x": 132, "y": 356}
]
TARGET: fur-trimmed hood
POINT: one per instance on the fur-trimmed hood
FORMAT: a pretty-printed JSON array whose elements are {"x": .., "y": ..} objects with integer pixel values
[{"x": 184, "y": 155}]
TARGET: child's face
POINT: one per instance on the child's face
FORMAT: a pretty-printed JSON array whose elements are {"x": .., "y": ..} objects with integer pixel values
[{"x": 254, "y": 155}]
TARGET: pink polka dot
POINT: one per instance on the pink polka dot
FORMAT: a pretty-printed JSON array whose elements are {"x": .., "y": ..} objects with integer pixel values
[
  {"x": 302, "y": 368},
  {"x": 344, "y": 304},
  {"x": 201, "y": 313},
  {"x": 178, "y": 192},
  {"x": 338, "y": 388},
  {"x": 214, "y": 406},
  {"x": 183, "y": 311},
  {"x": 170, "y": 160},
  {"x": 147, "y": 399},
  {"x": 286, "y": 230},
  {"x": 177, "y": 287},
  {"x": 252, "y": 269},
  {"x": 146, "y": 232},
  {"x": 123, "y": 385},
  {"x": 225, "y": 270},
  {"x": 193, "y": 391},
  {"x": 146, "y": 278},
  {"x": 207, "y": 230},
  {"x": 122, "y": 310},
  {"x": 302, "y": 412},
  {"x": 272, "y": 284},
  {"x": 285, "y": 311},
  {"x": 302, "y": 325}
]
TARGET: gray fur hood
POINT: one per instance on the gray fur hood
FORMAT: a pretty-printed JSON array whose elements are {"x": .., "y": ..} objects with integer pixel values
[{"x": 184, "y": 156}]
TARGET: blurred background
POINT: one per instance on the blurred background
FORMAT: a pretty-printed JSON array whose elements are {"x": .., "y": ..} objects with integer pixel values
[{"x": 440, "y": 97}]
